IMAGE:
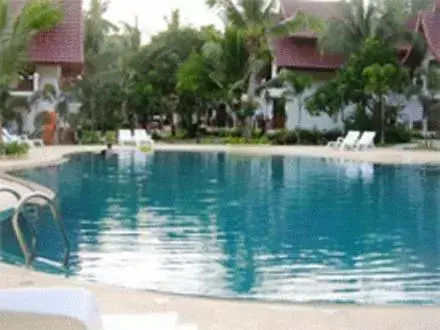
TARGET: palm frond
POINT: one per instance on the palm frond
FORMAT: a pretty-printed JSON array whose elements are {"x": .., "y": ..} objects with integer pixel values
[
  {"x": 298, "y": 23},
  {"x": 229, "y": 11}
]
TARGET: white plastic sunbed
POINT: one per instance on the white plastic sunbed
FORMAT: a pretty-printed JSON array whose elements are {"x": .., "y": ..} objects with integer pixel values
[
  {"x": 125, "y": 137},
  {"x": 23, "y": 138},
  {"x": 365, "y": 141},
  {"x": 347, "y": 142},
  {"x": 72, "y": 309},
  {"x": 141, "y": 137}
]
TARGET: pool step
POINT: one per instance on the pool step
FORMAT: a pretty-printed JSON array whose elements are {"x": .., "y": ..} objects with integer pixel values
[{"x": 157, "y": 321}]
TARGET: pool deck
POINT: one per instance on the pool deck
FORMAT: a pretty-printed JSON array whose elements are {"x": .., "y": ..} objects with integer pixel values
[{"x": 216, "y": 314}]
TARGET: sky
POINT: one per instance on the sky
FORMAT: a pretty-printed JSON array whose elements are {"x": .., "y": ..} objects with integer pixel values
[{"x": 151, "y": 13}]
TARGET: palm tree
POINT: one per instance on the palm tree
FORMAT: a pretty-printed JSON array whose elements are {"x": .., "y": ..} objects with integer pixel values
[
  {"x": 362, "y": 19},
  {"x": 97, "y": 57},
  {"x": 256, "y": 19},
  {"x": 227, "y": 57},
  {"x": 295, "y": 89},
  {"x": 16, "y": 32}
]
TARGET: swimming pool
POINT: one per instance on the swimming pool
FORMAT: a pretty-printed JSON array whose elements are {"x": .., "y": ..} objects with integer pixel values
[{"x": 273, "y": 228}]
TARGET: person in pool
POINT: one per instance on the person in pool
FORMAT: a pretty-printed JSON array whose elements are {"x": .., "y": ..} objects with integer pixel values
[{"x": 107, "y": 152}]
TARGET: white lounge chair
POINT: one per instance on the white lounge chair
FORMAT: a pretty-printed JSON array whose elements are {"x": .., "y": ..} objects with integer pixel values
[
  {"x": 10, "y": 138},
  {"x": 58, "y": 308},
  {"x": 125, "y": 137},
  {"x": 141, "y": 137},
  {"x": 6, "y": 138},
  {"x": 72, "y": 309},
  {"x": 365, "y": 141},
  {"x": 347, "y": 142}
]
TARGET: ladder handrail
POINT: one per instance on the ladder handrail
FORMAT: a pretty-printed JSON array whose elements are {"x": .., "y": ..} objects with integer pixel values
[
  {"x": 33, "y": 232},
  {"x": 11, "y": 191},
  {"x": 30, "y": 255}
]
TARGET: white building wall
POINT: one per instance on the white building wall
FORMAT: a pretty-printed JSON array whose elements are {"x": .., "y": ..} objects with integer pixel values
[
  {"x": 411, "y": 112},
  {"x": 47, "y": 74},
  {"x": 306, "y": 120}
]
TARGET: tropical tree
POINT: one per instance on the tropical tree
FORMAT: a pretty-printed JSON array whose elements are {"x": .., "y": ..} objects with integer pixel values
[
  {"x": 368, "y": 82},
  {"x": 218, "y": 72},
  {"x": 296, "y": 85},
  {"x": 99, "y": 58},
  {"x": 16, "y": 32},
  {"x": 256, "y": 19},
  {"x": 194, "y": 76},
  {"x": 156, "y": 67},
  {"x": 380, "y": 19},
  {"x": 380, "y": 82},
  {"x": 330, "y": 98}
]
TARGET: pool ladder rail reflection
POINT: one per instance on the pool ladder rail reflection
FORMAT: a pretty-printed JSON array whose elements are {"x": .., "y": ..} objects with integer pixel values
[{"x": 31, "y": 215}]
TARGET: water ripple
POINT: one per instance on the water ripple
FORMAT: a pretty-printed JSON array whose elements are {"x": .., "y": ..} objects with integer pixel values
[{"x": 281, "y": 228}]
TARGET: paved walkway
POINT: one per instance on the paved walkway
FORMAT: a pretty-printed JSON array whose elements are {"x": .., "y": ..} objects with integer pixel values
[{"x": 212, "y": 314}]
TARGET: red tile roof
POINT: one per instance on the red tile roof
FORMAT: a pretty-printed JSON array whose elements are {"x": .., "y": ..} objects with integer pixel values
[
  {"x": 64, "y": 43},
  {"x": 293, "y": 52},
  {"x": 430, "y": 25}
]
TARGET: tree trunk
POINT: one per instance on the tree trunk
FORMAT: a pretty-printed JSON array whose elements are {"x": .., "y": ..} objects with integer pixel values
[
  {"x": 252, "y": 85},
  {"x": 92, "y": 113},
  {"x": 425, "y": 125},
  {"x": 251, "y": 94},
  {"x": 298, "y": 124},
  {"x": 173, "y": 124},
  {"x": 124, "y": 113},
  {"x": 382, "y": 120},
  {"x": 1, "y": 126}
]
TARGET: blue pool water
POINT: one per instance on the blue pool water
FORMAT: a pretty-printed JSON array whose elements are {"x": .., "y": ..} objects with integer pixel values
[{"x": 283, "y": 228}]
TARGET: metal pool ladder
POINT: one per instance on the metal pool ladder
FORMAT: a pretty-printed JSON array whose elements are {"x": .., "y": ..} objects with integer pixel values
[{"x": 30, "y": 254}]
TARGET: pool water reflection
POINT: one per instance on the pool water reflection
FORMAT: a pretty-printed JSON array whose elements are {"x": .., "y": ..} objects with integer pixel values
[{"x": 285, "y": 228}]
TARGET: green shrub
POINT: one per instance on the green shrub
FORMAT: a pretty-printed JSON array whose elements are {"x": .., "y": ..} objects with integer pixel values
[
  {"x": 417, "y": 135},
  {"x": 91, "y": 137},
  {"x": 242, "y": 140},
  {"x": 181, "y": 134},
  {"x": 234, "y": 140},
  {"x": 222, "y": 132},
  {"x": 283, "y": 137},
  {"x": 235, "y": 132},
  {"x": 110, "y": 137},
  {"x": 307, "y": 137},
  {"x": 331, "y": 135},
  {"x": 399, "y": 134},
  {"x": 145, "y": 149},
  {"x": 14, "y": 149},
  {"x": 263, "y": 140},
  {"x": 156, "y": 136}
]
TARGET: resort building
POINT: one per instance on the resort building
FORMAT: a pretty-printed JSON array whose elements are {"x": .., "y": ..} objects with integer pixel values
[
  {"x": 56, "y": 60},
  {"x": 299, "y": 52}
]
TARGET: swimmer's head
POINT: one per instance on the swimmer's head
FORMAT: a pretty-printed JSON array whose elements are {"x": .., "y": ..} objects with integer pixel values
[{"x": 109, "y": 145}]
